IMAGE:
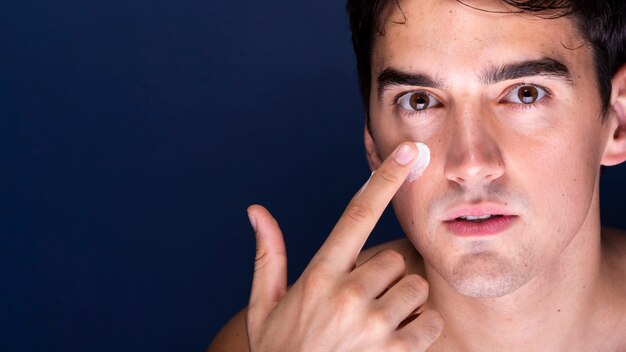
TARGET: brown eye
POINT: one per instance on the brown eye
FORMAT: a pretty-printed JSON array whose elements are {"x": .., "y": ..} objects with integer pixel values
[
  {"x": 525, "y": 94},
  {"x": 528, "y": 94},
  {"x": 417, "y": 101}
]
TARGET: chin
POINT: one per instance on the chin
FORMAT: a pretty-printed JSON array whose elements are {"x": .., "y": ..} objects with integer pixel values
[{"x": 487, "y": 275}]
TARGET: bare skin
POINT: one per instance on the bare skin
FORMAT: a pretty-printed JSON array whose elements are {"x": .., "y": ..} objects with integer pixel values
[
  {"x": 551, "y": 280},
  {"x": 536, "y": 160},
  {"x": 233, "y": 336},
  {"x": 337, "y": 305}
]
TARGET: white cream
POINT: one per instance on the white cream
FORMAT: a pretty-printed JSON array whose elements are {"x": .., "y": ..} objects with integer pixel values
[{"x": 423, "y": 159}]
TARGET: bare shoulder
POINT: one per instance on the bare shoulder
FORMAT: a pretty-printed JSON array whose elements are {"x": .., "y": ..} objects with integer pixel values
[{"x": 233, "y": 337}]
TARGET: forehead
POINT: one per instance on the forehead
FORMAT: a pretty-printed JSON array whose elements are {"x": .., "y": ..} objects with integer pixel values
[{"x": 447, "y": 37}]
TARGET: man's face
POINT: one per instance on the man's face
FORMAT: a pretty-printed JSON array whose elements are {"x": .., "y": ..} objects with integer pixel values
[{"x": 508, "y": 105}]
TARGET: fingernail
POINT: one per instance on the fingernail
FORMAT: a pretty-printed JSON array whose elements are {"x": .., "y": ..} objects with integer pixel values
[
  {"x": 404, "y": 154},
  {"x": 422, "y": 162},
  {"x": 252, "y": 221}
]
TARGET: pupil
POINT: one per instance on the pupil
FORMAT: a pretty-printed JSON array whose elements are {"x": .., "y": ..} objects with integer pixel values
[
  {"x": 419, "y": 101},
  {"x": 528, "y": 95}
]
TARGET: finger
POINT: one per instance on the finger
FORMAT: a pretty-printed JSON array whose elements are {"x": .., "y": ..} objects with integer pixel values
[
  {"x": 353, "y": 228},
  {"x": 269, "y": 283},
  {"x": 380, "y": 271},
  {"x": 403, "y": 298},
  {"x": 422, "y": 332}
]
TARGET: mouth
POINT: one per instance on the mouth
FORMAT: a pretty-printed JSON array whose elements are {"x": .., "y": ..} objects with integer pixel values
[
  {"x": 478, "y": 219},
  {"x": 479, "y": 222}
]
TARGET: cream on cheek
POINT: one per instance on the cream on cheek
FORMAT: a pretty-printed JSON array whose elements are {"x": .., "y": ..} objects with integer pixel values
[
  {"x": 405, "y": 202},
  {"x": 423, "y": 157},
  {"x": 422, "y": 162}
]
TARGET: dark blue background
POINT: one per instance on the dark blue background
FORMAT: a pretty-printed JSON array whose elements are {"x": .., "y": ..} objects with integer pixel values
[{"x": 133, "y": 135}]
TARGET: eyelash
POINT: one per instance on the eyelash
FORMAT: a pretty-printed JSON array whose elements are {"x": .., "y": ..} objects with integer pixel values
[
  {"x": 523, "y": 107},
  {"x": 406, "y": 112}
]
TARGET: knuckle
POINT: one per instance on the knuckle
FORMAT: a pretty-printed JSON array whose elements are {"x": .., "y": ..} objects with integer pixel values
[
  {"x": 264, "y": 258},
  {"x": 352, "y": 294},
  {"x": 379, "y": 320},
  {"x": 427, "y": 329},
  {"x": 392, "y": 259},
  {"x": 417, "y": 283},
  {"x": 431, "y": 327},
  {"x": 315, "y": 279},
  {"x": 414, "y": 288},
  {"x": 360, "y": 211},
  {"x": 261, "y": 259},
  {"x": 389, "y": 176},
  {"x": 429, "y": 333}
]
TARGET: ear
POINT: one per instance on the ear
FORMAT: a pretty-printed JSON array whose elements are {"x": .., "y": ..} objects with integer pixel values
[
  {"x": 373, "y": 158},
  {"x": 615, "y": 150}
]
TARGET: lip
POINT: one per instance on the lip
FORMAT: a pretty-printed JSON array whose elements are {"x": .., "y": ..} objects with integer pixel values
[
  {"x": 478, "y": 210},
  {"x": 489, "y": 227},
  {"x": 492, "y": 226}
]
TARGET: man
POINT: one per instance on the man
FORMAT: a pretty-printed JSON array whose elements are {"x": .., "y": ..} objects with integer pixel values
[{"x": 521, "y": 105}]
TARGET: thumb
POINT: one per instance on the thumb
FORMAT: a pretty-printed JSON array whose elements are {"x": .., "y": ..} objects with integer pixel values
[{"x": 269, "y": 282}]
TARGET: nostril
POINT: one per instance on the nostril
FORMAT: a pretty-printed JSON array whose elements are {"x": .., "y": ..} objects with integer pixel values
[{"x": 474, "y": 169}]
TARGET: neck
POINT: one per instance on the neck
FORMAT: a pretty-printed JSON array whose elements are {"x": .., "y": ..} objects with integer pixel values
[{"x": 551, "y": 312}]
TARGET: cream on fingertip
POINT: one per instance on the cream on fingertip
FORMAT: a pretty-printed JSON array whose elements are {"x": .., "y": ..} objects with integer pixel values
[{"x": 423, "y": 159}]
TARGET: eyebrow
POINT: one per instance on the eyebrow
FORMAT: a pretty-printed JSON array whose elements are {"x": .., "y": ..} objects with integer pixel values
[
  {"x": 543, "y": 67},
  {"x": 392, "y": 77},
  {"x": 493, "y": 74}
]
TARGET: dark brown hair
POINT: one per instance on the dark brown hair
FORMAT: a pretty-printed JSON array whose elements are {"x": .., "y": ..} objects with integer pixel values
[{"x": 602, "y": 23}]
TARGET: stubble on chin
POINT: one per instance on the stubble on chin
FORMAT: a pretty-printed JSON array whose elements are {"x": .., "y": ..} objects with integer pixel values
[{"x": 487, "y": 275}]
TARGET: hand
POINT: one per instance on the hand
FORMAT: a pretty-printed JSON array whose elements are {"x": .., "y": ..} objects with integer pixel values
[{"x": 335, "y": 306}]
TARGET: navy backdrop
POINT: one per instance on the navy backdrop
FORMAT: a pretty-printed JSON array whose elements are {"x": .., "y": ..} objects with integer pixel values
[{"x": 133, "y": 136}]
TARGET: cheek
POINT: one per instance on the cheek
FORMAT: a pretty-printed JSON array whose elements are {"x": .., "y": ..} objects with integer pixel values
[
  {"x": 412, "y": 201},
  {"x": 559, "y": 174},
  {"x": 565, "y": 181},
  {"x": 411, "y": 205},
  {"x": 390, "y": 130},
  {"x": 556, "y": 177}
]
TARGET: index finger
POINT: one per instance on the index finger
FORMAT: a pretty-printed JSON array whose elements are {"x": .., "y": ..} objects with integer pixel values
[{"x": 364, "y": 210}]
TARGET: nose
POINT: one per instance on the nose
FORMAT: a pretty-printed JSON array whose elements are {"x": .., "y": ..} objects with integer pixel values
[{"x": 473, "y": 157}]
